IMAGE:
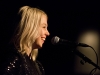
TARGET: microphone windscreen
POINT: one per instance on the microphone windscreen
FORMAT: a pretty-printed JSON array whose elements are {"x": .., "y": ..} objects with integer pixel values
[{"x": 55, "y": 40}]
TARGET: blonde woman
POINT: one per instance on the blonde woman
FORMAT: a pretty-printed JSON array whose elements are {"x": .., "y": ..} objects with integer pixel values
[{"x": 29, "y": 36}]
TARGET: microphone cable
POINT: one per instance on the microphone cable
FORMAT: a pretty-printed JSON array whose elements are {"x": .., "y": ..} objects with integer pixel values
[{"x": 93, "y": 71}]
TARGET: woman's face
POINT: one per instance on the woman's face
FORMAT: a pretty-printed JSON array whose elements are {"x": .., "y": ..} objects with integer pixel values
[{"x": 43, "y": 32}]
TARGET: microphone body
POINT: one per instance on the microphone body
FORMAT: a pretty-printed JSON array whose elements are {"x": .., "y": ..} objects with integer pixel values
[{"x": 56, "y": 40}]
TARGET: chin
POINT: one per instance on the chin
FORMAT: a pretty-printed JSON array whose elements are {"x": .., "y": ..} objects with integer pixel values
[{"x": 39, "y": 46}]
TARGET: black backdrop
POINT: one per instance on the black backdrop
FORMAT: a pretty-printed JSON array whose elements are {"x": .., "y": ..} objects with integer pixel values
[{"x": 66, "y": 20}]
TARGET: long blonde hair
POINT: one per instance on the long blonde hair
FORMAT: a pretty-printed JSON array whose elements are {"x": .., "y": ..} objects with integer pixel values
[{"x": 27, "y": 30}]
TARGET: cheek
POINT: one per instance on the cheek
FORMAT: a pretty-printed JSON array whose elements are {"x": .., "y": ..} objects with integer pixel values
[
  {"x": 41, "y": 32},
  {"x": 38, "y": 40},
  {"x": 38, "y": 43}
]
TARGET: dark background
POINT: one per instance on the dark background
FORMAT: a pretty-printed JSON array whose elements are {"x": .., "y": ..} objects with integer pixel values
[{"x": 66, "y": 20}]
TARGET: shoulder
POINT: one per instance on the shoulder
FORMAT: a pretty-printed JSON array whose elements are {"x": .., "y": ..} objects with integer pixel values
[
  {"x": 40, "y": 66},
  {"x": 10, "y": 54},
  {"x": 10, "y": 60}
]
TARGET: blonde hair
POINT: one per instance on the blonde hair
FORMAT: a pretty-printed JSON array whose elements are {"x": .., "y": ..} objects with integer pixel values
[{"x": 27, "y": 30}]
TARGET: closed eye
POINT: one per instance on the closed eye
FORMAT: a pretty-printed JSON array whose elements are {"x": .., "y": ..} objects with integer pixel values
[{"x": 44, "y": 27}]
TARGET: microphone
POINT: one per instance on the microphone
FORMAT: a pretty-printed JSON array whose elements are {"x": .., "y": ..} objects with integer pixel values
[{"x": 56, "y": 40}]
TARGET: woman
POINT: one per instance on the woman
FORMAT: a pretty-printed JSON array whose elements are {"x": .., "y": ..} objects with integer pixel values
[{"x": 30, "y": 35}]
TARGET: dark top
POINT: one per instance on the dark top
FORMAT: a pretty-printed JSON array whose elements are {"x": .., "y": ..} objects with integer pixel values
[{"x": 14, "y": 63}]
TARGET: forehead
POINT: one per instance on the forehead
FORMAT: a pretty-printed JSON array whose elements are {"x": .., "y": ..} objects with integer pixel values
[{"x": 44, "y": 19}]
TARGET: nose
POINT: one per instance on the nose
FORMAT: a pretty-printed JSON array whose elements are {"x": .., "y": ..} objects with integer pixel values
[{"x": 47, "y": 33}]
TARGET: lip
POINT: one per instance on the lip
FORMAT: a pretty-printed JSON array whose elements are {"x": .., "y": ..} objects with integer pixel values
[
  {"x": 42, "y": 41},
  {"x": 43, "y": 38}
]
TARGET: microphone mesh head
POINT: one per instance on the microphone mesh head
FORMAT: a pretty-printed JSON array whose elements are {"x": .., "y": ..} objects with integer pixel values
[{"x": 55, "y": 40}]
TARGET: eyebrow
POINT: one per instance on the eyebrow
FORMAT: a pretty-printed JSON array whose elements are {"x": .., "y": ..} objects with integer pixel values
[{"x": 45, "y": 24}]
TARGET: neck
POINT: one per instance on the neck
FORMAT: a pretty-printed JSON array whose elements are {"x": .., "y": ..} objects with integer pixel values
[{"x": 27, "y": 50}]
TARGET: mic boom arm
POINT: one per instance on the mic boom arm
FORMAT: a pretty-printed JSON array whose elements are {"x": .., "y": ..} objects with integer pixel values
[{"x": 86, "y": 59}]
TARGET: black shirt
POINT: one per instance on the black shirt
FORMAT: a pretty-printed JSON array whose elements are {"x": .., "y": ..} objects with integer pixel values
[{"x": 14, "y": 63}]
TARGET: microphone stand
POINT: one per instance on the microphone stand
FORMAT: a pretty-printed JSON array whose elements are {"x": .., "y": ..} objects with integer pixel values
[{"x": 86, "y": 59}]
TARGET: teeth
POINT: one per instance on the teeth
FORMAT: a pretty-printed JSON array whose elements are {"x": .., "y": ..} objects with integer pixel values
[{"x": 43, "y": 39}]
